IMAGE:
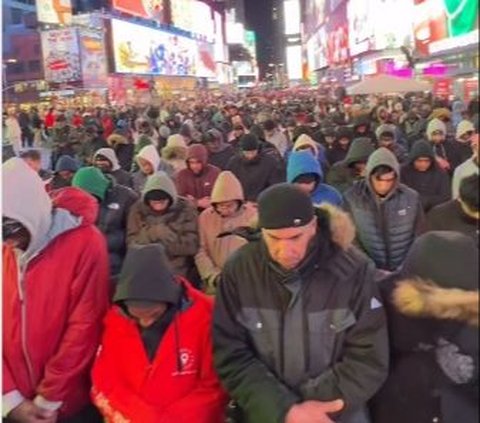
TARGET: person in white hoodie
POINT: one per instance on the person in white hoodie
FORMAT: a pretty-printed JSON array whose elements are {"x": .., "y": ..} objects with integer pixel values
[
  {"x": 148, "y": 162},
  {"x": 106, "y": 160},
  {"x": 467, "y": 168},
  {"x": 13, "y": 132}
]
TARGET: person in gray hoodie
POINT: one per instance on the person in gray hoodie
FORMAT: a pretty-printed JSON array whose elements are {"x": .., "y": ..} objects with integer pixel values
[
  {"x": 161, "y": 216},
  {"x": 388, "y": 215}
]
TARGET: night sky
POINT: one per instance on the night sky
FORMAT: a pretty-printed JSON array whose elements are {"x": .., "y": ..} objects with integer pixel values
[{"x": 258, "y": 14}]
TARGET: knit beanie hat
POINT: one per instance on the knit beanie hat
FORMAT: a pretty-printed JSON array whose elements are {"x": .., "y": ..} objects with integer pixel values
[
  {"x": 66, "y": 163},
  {"x": 91, "y": 180},
  {"x": 249, "y": 142},
  {"x": 284, "y": 206}
]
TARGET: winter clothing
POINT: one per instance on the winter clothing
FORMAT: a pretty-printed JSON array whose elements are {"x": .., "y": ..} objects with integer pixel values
[
  {"x": 174, "y": 154},
  {"x": 463, "y": 127},
  {"x": 432, "y": 307},
  {"x": 255, "y": 175},
  {"x": 272, "y": 331},
  {"x": 201, "y": 185},
  {"x": 220, "y": 153},
  {"x": 123, "y": 149},
  {"x": 467, "y": 168},
  {"x": 337, "y": 152},
  {"x": 386, "y": 227},
  {"x": 66, "y": 163},
  {"x": 450, "y": 216},
  {"x": 150, "y": 154},
  {"x": 249, "y": 142},
  {"x": 448, "y": 150},
  {"x": 303, "y": 162},
  {"x": 432, "y": 185},
  {"x": 342, "y": 175},
  {"x": 179, "y": 384},
  {"x": 121, "y": 176},
  {"x": 397, "y": 149},
  {"x": 214, "y": 250},
  {"x": 62, "y": 279},
  {"x": 176, "y": 228},
  {"x": 279, "y": 140},
  {"x": 91, "y": 180}
]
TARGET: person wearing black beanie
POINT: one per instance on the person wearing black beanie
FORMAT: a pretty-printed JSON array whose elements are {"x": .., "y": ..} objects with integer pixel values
[
  {"x": 254, "y": 167},
  {"x": 298, "y": 325}
]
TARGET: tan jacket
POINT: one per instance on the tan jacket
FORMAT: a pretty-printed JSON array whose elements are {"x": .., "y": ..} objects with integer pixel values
[{"x": 214, "y": 251}]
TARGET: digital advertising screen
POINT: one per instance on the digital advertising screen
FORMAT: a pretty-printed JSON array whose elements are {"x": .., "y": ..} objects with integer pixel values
[
  {"x": 156, "y": 10},
  {"x": 444, "y": 24},
  {"x": 61, "y": 55},
  {"x": 313, "y": 16},
  {"x": 317, "y": 50},
  {"x": 54, "y": 11},
  {"x": 361, "y": 26},
  {"x": 148, "y": 51},
  {"x": 93, "y": 58}
]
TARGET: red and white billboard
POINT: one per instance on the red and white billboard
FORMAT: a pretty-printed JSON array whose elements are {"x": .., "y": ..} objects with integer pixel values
[
  {"x": 54, "y": 11},
  {"x": 61, "y": 55},
  {"x": 156, "y": 10}
]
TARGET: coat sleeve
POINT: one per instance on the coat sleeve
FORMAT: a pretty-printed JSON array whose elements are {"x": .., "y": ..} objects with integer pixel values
[
  {"x": 208, "y": 401},
  {"x": 180, "y": 238},
  {"x": 206, "y": 267},
  {"x": 364, "y": 364},
  {"x": 89, "y": 294},
  {"x": 247, "y": 379},
  {"x": 137, "y": 230}
]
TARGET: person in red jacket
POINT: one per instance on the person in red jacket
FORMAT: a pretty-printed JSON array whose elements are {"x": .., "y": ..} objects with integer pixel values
[
  {"x": 197, "y": 180},
  {"x": 55, "y": 294},
  {"x": 155, "y": 362}
]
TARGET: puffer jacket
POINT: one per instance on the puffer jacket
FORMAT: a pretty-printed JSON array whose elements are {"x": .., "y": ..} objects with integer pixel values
[
  {"x": 432, "y": 308},
  {"x": 55, "y": 294},
  {"x": 214, "y": 250},
  {"x": 112, "y": 221},
  {"x": 123, "y": 149},
  {"x": 120, "y": 175},
  {"x": 386, "y": 228},
  {"x": 176, "y": 229},
  {"x": 303, "y": 162},
  {"x": 315, "y": 333}
]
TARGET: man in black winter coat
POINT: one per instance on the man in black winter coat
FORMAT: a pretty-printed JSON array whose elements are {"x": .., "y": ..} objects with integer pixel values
[
  {"x": 459, "y": 215},
  {"x": 254, "y": 168},
  {"x": 115, "y": 201},
  {"x": 423, "y": 174},
  {"x": 299, "y": 332}
]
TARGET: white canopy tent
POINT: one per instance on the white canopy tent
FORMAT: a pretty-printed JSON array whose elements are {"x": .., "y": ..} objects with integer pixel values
[{"x": 385, "y": 84}]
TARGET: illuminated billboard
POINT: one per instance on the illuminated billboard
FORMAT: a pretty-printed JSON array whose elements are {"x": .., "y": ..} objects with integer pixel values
[
  {"x": 294, "y": 62},
  {"x": 156, "y": 10},
  {"x": 360, "y": 26},
  {"x": 142, "y": 50},
  {"x": 291, "y": 13},
  {"x": 61, "y": 55},
  {"x": 93, "y": 58},
  {"x": 54, "y": 11},
  {"x": 444, "y": 24},
  {"x": 317, "y": 50},
  {"x": 313, "y": 16}
]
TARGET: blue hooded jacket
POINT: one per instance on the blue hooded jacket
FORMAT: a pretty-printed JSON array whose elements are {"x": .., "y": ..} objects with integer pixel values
[{"x": 303, "y": 162}]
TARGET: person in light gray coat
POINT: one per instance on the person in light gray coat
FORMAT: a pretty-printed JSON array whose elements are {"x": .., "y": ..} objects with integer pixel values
[{"x": 388, "y": 215}]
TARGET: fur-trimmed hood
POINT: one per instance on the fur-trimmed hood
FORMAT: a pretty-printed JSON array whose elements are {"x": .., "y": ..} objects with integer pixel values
[
  {"x": 423, "y": 298},
  {"x": 116, "y": 139}
]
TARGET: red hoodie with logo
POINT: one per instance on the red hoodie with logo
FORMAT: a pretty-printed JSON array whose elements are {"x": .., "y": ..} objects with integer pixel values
[{"x": 180, "y": 385}]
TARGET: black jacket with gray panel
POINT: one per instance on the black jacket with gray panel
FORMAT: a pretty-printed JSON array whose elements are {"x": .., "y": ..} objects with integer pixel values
[{"x": 316, "y": 333}]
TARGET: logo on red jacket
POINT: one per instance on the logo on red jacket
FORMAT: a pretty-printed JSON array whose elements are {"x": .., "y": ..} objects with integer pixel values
[{"x": 187, "y": 363}]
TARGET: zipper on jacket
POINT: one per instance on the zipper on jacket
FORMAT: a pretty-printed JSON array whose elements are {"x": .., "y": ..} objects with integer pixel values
[
  {"x": 385, "y": 237},
  {"x": 23, "y": 320}
]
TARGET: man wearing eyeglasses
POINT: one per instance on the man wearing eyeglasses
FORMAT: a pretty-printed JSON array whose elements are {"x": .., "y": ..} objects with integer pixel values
[{"x": 387, "y": 214}]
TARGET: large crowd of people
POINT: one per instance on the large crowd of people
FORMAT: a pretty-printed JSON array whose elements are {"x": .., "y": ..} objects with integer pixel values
[{"x": 264, "y": 257}]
